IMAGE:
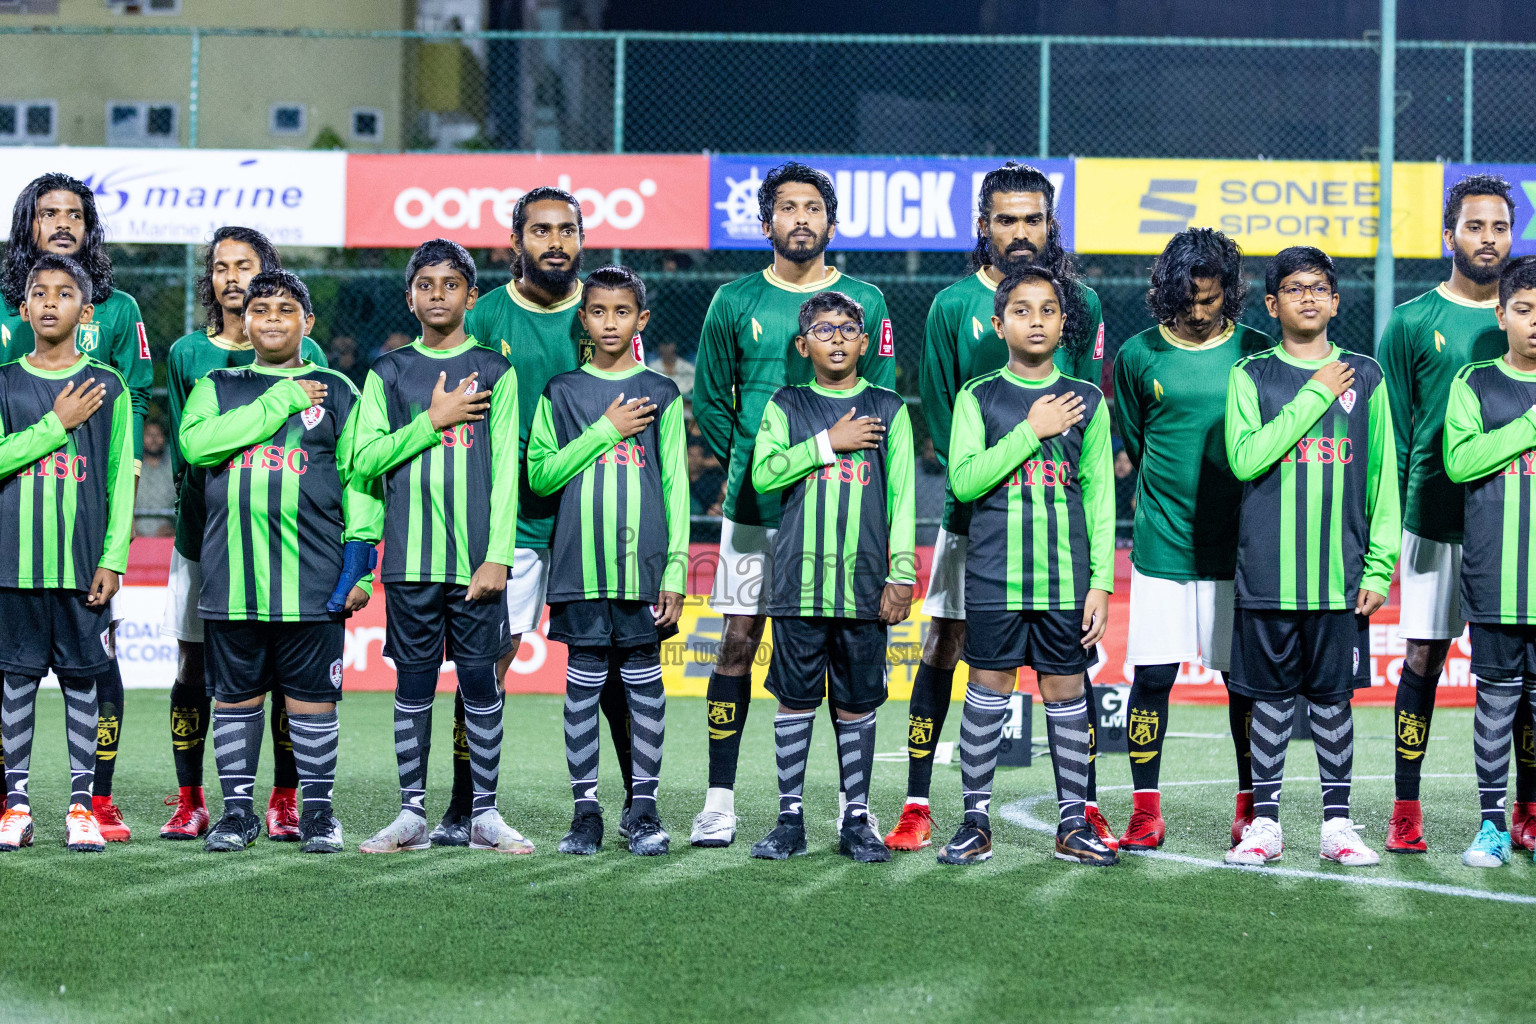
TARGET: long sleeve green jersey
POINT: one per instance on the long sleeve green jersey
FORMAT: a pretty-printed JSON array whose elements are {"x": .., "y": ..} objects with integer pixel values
[
  {"x": 1427, "y": 340},
  {"x": 66, "y": 497},
  {"x": 848, "y": 520},
  {"x": 1490, "y": 447},
  {"x": 960, "y": 344},
  {"x": 450, "y": 496},
  {"x": 621, "y": 532},
  {"x": 115, "y": 336},
  {"x": 282, "y": 495},
  {"x": 747, "y": 352},
  {"x": 1171, "y": 399},
  {"x": 540, "y": 342},
  {"x": 1319, "y": 517},
  {"x": 1043, "y": 517},
  {"x": 193, "y": 357}
]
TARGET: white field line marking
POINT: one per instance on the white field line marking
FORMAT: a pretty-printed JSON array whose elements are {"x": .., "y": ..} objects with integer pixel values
[{"x": 1021, "y": 813}]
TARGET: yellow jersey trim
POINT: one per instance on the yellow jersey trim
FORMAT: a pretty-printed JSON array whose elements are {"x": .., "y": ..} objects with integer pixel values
[
  {"x": 1444, "y": 291},
  {"x": 1216, "y": 342},
  {"x": 832, "y": 278},
  {"x": 569, "y": 302}
]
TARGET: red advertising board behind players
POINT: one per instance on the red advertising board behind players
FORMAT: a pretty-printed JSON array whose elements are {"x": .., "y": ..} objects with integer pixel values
[{"x": 627, "y": 201}]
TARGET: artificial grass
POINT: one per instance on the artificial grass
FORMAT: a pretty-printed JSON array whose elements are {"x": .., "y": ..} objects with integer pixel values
[{"x": 161, "y": 931}]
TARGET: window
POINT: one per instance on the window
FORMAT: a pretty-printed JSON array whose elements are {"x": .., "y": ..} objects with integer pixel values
[
  {"x": 29, "y": 122},
  {"x": 29, "y": 6},
  {"x": 144, "y": 6},
  {"x": 137, "y": 123},
  {"x": 367, "y": 124},
  {"x": 289, "y": 118}
]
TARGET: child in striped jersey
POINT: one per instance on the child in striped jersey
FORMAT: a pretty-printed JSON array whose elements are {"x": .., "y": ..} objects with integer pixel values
[
  {"x": 1030, "y": 446},
  {"x": 609, "y": 440},
  {"x": 840, "y": 450}
]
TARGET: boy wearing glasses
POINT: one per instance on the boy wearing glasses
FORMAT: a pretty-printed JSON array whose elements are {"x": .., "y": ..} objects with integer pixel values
[{"x": 1309, "y": 432}]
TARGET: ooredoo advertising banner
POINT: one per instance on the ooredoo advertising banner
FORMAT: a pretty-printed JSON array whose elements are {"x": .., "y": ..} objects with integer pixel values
[
  {"x": 183, "y": 195},
  {"x": 630, "y": 202},
  {"x": 883, "y": 203}
]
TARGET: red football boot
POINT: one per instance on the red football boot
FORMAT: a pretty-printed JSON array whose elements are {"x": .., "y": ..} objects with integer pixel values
[
  {"x": 1522, "y": 831},
  {"x": 1101, "y": 827},
  {"x": 1146, "y": 829},
  {"x": 109, "y": 819},
  {"x": 1405, "y": 831},
  {"x": 191, "y": 818},
  {"x": 283, "y": 815},
  {"x": 1242, "y": 817},
  {"x": 914, "y": 829}
]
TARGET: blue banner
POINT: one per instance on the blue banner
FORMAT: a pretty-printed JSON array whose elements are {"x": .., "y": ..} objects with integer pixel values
[
  {"x": 1523, "y": 178},
  {"x": 883, "y": 203}
]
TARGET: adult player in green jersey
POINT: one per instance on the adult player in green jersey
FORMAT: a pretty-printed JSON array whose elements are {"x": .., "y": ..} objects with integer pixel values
[
  {"x": 438, "y": 422},
  {"x": 609, "y": 442},
  {"x": 1030, "y": 448},
  {"x": 287, "y": 548},
  {"x": 840, "y": 453},
  {"x": 1016, "y": 227},
  {"x": 1490, "y": 446},
  {"x": 67, "y": 502},
  {"x": 1309, "y": 432},
  {"x": 57, "y": 213},
  {"x": 234, "y": 257},
  {"x": 1426, "y": 342},
  {"x": 1171, "y": 397},
  {"x": 534, "y": 322},
  {"x": 746, "y": 353}
]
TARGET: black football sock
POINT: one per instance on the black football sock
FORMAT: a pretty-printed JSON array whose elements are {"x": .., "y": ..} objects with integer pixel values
[
  {"x": 1333, "y": 738},
  {"x": 615, "y": 707},
  {"x": 1090, "y": 709},
  {"x": 1492, "y": 724},
  {"x": 484, "y": 708},
  {"x": 109, "y": 726},
  {"x": 981, "y": 731},
  {"x": 236, "y": 749},
  {"x": 1415, "y": 707},
  {"x": 18, "y": 719},
  {"x": 285, "y": 772},
  {"x": 190, "y": 709},
  {"x": 728, "y": 698},
  {"x": 413, "y": 736},
  {"x": 461, "y": 798},
  {"x": 1148, "y": 722},
  {"x": 1270, "y": 734},
  {"x": 315, "y": 741},
  {"x": 1525, "y": 754},
  {"x": 856, "y": 762},
  {"x": 1239, "y": 721},
  {"x": 931, "y": 689},
  {"x": 585, "y": 673},
  {"x": 647, "y": 699},
  {"x": 791, "y": 751},
  {"x": 1067, "y": 733}
]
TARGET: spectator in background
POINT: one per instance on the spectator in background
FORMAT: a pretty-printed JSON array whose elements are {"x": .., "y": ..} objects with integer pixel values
[
  {"x": 706, "y": 479},
  {"x": 156, "y": 500},
  {"x": 396, "y": 339},
  {"x": 666, "y": 362},
  {"x": 1125, "y": 481},
  {"x": 344, "y": 358}
]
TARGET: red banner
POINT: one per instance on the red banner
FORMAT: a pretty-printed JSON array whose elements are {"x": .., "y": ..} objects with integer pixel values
[{"x": 627, "y": 201}]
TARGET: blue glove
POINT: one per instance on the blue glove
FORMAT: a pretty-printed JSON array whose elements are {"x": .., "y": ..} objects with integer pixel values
[{"x": 358, "y": 559}]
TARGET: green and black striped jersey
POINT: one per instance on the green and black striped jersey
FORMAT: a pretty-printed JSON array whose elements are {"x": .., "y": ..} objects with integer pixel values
[
  {"x": 450, "y": 496},
  {"x": 1490, "y": 446},
  {"x": 282, "y": 497},
  {"x": 1319, "y": 517},
  {"x": 621, "y": 532},
  {"x": 847, "y": 524},
  {"x": 1042, "y": 531},
  {"x": 66, "y": 497}
]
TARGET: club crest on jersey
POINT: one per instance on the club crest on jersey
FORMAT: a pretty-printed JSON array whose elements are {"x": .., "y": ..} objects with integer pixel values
[
  {"x": 88, "y": 338},
  {"x": 469, "y": 389},
  {"x": 311, "y": 416},
  {"x": 887, "y": 339},
  {"x": 1347, "y": 400},
  {"x": 336, "y": 673}
]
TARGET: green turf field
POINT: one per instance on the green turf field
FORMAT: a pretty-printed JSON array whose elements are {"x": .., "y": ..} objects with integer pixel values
[{"x": 159, "y": 931}]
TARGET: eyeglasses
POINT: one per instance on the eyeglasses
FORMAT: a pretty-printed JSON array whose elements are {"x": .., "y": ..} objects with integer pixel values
[
  {"x": 1320, "y": 290},
  {"x": 824, "y": 331}
]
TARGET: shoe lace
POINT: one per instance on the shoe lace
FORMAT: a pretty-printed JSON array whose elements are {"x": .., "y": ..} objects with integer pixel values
[{"x": 110, "y": 814}]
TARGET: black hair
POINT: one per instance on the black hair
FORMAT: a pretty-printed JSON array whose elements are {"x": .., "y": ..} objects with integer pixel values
[
  {"x": 1519, "y": 274},
  {"x": 829, "y": 302},
  {"x": 1074, "y": 310},
  {"x": 615, "y": 278},
  {"x": 1294, "y": 260},
  {"x": 441, "y": 250},
  {"x": 23, "y": 251},
  {"x": 54, "y": 261},
  {"x": 795, "y": 173},
  {"x": 1190, "y": 254},
  {"x": 543, "y": 193},
  {"x": 276, "y": 282},
  {"x": 265, "y": 251},
  {"x": 1476, "y": 185}
]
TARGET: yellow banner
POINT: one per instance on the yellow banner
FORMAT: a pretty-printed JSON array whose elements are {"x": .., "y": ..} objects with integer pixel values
[{"x": 1135, "y": 206}]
